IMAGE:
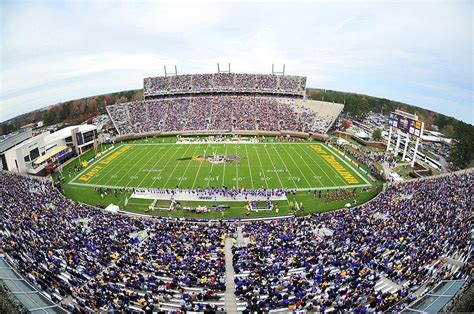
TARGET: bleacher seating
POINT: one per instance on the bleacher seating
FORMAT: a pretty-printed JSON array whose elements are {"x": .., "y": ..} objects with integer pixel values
[
  {"x": 224, "y": 113},
  {"x": 225, "y": 83}
]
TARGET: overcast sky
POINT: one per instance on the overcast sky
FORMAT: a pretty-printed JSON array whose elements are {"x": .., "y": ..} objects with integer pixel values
[{"x": 418, "y": 52}]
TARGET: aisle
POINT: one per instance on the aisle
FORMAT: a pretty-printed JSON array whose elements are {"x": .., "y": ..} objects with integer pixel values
[{"x": 230, "y": 300}]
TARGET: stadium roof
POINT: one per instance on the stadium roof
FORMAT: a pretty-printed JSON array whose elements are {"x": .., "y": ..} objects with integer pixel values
[
  {"x": 66, "y": 132},
  {"x": 437, "y": 298},
  {"x": 29, "y": 297},
  {"x": 53, "y": 152}
]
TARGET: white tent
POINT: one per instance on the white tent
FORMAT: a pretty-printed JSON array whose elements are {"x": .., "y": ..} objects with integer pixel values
[
  {"x": 362, "y": 134},
  {"x": 112, "y": 208},
  {"x": 341, "y": 141}
]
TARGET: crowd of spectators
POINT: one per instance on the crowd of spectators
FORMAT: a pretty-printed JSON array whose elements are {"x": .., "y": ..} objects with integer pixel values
[
  {"x": 267, "y": 82},
  {"x": 180, "y": 83},
  {"x": 202, "y": 82},
  {"x": 156, "y": 85},
  {"x": 223, "y": 113},
  {"x": 333, "y": 261},
  {"x": 224, "y": 82},
  {"x": 108, "y": 261},
  {"x": 289, "y": 83},
  {"x": 245, "y": 82},
  {"x": 173, "y": 257},
  {"x": 46, "y": 234}
]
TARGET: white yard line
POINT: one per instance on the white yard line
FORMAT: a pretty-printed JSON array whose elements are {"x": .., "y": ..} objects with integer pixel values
[
  {"x": 186, "y": 170},
  {"x": 142, "y": 167},
  {"x": 274, "y": 168},
  {"x": 110, "y": 169},
  {"x": 154, "y": 165},
  {"x": 347, "y": 163},
  {"x": 225, "y": 142},
  {"x": 197, "y": 173},
  {"x": 250, "y": 169},
  {"x": 296, "y": 164},
  {"x": 164, "y": 167},
  {"x": 212, "y": 167},
  {"x": 287, "y": 169},
  {"x": 223, "y": 172},
  {"x": 302, "y": 189},
  {"x": 94, "y": 162},
  {"x": 176, "y": 166},
  {"x": 317, "y": 164},
  {"x": 261, "y": 167},
  {"x": 133, "y": 168},
  {"x": 314, "y": 174},
  {"x": 237, "y": 182},
  {"x": 114, "y": 165},
  {"x": 337, "y": 175}
]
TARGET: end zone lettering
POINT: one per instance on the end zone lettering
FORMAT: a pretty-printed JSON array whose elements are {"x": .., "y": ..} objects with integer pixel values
[
  {"x": 335, "y": 164},
  {"x": 90, "y": 174},
  {"x": 340, "y": 169},
  {"x": 114, "y": 155}
]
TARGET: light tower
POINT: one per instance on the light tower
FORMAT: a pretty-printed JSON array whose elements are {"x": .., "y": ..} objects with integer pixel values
[
  {"x": 282, "y": 72},
  {"x": 223, "y": 71},
  {"x": 171, "y": 73}
]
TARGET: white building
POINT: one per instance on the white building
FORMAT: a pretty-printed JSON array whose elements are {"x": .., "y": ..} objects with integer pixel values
[
  {"x": 48, "y": 150},
  {"x": 11, "y": 140}
]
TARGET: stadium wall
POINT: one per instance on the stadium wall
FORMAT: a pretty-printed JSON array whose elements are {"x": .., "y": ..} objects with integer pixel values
[{"x": 131, "y": 136}]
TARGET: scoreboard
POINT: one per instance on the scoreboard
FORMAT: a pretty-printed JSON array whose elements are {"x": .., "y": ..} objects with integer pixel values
[{"x": 405, "y": 124}]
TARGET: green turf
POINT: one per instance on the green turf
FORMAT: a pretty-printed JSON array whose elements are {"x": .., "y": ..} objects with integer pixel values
[
  {"x": 155, "y": 163},
  {"x": 311, "y": 203},
  {"x": 277, "y": 165}
]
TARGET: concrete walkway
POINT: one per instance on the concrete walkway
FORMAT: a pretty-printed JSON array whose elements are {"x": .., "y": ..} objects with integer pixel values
[
  {"x": 230, "y": 300},
  {"x": 240, "y": 237},
  {"x": 389, "y": 284}
]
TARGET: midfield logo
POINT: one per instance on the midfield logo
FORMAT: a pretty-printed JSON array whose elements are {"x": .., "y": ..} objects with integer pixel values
[{"x": 214, "y": 159}]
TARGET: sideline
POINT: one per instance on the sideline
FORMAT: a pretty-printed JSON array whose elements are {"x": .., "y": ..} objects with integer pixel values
[{"x": 93, "y": 163}]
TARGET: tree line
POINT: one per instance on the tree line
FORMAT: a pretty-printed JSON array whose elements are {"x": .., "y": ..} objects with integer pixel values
[
  {"x": 356, "y": 105},
  {"x": 71, "y": 112}
]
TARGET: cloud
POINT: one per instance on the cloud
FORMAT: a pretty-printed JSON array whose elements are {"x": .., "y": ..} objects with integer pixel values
[{"x": 57, "y": 51}]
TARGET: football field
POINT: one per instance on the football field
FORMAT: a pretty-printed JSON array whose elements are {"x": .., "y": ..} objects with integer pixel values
[{"x": 299, "y": 166}]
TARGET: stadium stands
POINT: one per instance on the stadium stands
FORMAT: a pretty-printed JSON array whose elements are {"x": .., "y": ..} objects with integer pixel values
[
  {"x": 367, "y": 258},
  {"x": 343, "y": 260},
  {"x": 224, "y": 102},
  {"x": 65, "y": 248},
  {"x": 283, "y": 85},
  {"x": 223, "y": 113},
  {"x": 327, "y": 112}
]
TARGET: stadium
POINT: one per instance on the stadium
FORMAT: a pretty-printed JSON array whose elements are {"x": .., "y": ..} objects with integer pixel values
[
  {"x": 231, "y": 193},
  {"x": 248, "y": 143},
  {"x": 236, "y": 157}
]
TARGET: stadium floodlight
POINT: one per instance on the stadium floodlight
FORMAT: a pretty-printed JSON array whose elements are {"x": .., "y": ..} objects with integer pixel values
[
  {"x": 223, "y": 71},
  {"x": 171, "y": 73},
  {"x": 282, "y": 72}
]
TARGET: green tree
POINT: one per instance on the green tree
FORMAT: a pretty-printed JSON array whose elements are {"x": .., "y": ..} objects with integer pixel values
[
  {"x": 463, "y": 145},
  {"x": 48, "y": 117},
  {"x": 377, "y": 135},
  {"x": 448, "y": 130},
  {"x": 65, "y": 111}
]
